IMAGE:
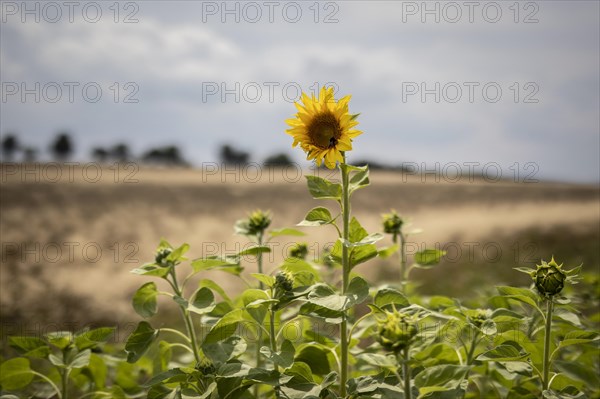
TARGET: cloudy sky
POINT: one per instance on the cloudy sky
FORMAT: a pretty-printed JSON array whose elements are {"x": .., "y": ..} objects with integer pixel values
[{"x": 514, "y": 84}]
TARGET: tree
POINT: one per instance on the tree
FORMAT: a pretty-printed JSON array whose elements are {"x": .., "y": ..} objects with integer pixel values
[
  {"x": 120, "y": 152},
  {"x": 231, "y": 156},
  {"x": 280, "y": 159},
  {"x": 169, "y": 155},
  {"x": 29, "y": 154},
  {"x": 62, "y": 148},
  {"x": 100, "y": 154},
  {"x": 10, "y": 145}
]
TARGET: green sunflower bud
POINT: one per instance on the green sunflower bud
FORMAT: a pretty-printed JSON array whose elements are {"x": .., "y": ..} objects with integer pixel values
[
  {"x": 256, "y": 223},
  {"x": 549, "y": 278},
  {"x": 283, "y": 282},
  {"x": 396, "y": 331},
  {"x": 299, "y": 251},
  {"x": 161, "y": 257},
  {"x": 392, "y": 223},
  {"x": 478, "y": 316},
  {"x": 206, "y": 367}
]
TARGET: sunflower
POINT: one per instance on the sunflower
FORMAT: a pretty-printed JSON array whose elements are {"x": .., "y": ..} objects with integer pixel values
[{"x": 323, "y": 127}]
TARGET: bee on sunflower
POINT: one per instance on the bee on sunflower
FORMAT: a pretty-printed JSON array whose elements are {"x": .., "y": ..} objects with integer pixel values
[{"x": 323, "y": 127}]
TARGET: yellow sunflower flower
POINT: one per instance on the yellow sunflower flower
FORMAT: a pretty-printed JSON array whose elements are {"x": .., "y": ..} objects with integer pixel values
[{"x": 323, "y": 127}]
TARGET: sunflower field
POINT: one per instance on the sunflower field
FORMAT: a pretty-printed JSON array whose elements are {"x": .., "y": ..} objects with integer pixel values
[{"x": 316, "y": 328}]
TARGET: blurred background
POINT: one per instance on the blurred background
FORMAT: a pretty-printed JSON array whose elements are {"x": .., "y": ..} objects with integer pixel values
[{"x": 125, "y": 122}]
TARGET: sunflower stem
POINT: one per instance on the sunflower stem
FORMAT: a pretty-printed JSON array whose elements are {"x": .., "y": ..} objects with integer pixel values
[
  {"x": 345, "y": 275},
  {"x": 406, "y": 374},
  {"x": 259, "y": 333},
  {"x": 187, "y": 317},
  {"x": 548, "y": 333}
]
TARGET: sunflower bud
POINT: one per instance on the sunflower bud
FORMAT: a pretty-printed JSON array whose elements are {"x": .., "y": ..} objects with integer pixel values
[
  {"x": 549, "y": 278},
  {"x": 283, "y": 282},
  {"x": 396, "y": 331},
  {"x": 392, "y": 223},
  {"x": 206, "y": 367},
  {"x": 299, "y": 251},
  {"x": 161, "y": 257},
  {"x": 256, "y": 223},
  {"x": 478, "y": 316}
]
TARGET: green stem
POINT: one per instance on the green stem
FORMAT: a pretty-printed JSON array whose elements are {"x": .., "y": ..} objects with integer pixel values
[
  {"x": 474, "y": 343},
  {"x": 259, "y": 332},
  {"x": 65, "y": 384},
  {"x": 548, "y": 334},
  {"x": 176, "y": 332},
  {"x": 403, "y": 270},
  {"x": 187, "y": 319},
  {"x": 345, "y": 275},
  {"x": 272, "y": 334},
  {"x": 406, "y": 374}
]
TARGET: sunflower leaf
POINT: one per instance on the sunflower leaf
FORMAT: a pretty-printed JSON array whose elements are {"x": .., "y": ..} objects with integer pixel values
[
  {"x": 321, "y": 188},
  {"x": 317, "y": 217}
]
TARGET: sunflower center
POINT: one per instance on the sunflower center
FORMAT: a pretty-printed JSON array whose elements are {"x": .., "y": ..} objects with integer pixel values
[{"x": 324, "y": 131}]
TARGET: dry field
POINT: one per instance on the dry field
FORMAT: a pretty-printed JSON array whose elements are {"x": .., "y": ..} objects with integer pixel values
[{"x": 68, "y": 245}]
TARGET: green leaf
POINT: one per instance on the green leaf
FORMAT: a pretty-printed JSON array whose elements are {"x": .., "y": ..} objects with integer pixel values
[
  {"x": 315, "y": 357},
  {"x": 390, "y": 297},
  {"x": 139, "y": 341},
  {"x": 355, "y": 231},
  {"x": 301, "y": 370},
  {"x": 448, "y": 376},
  {"x": 388, "y": 251},
  {"x": 521, "y": 295},
  {"x": 317, "y": 217},
  {"x": 226, "y": 264},
  {"x": 30, "y": 346},
  {"x": 324, "y": 296},
  {"x": 223, "y": 351},
  {"x": 435, "y": 354},
  {"x": 578, "y": 372},
  {"x": 362, "y": 254},
  {"x": 267, "y": 280},
  {"x": 514, "y": 291},
  {"x": 379, "y": 360},
  {"x": 286, "y": 232},
  {"x": 578, "y": 337},
  {"x": 177, "y": 254},
  {"x": 254, "y": 250},
  {"x": 91, "y": 338},
  {"x": 202, "y": 301},
  {"x": 284, "y": 357},
  {"x": 321, "y": 188},
  {"x": 80, "y": 360},
  {"x": 144, "y": 300},
  {"x": 15, "y": 374},
  {"x": 297, "y": 266},
  {"x": 429, "y": 257},
  {"x": 256, "y": 302},
  {"x": 503, "y": 353},
  {"x": 360, "y": 179},
  {"x": 60, "y": 339},
  {"x": 150, "y": 269},
  {"x": 224, "y": 328},
  {"x": 215, "y": 287}
]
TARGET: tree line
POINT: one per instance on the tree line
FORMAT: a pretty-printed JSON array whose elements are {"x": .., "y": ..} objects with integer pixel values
[{"x": 62, "y": 148}]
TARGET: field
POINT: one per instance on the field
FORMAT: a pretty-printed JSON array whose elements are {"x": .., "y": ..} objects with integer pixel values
[{"x": 61, "y": 238}]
